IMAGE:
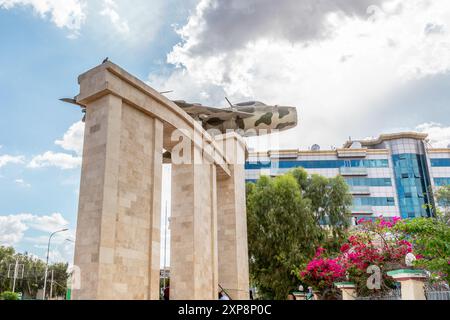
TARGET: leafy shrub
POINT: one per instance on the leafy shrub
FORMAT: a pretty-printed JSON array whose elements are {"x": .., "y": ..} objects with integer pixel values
[{"x": 7, "y": 295}]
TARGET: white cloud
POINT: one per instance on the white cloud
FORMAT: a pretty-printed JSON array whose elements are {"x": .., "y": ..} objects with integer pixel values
[
  {"x": 335, "y": 81},
  {"x": 223, "y": 25},
  {"x": 51, "y": 159},
  {"x": 136, "y": 24},
  {"x": 8, "y": 159},
  {"x": 73, "y": 138},
  {"x": 132, "y": 25},
  {"x": 71, "y": 141},
  {"x": 49, "y": 223},
  {"x": 438, "y": 134},
  {"x": 69, "y": 14},
  {"x": 22, "y": 183},
  {"x": 110, "y": 10},
  {"x": 13, "y": 227}
]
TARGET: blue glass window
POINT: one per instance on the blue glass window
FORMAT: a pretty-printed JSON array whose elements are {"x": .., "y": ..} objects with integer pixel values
[
  {"x": 333, "y": 164},
  {"x": 374, "y": 201},
  {"x": 319, "y": 164},
  {"x": 413, "y": 182},
  {"x": 369, "y": 182},
  {"x": 445, "y": 162},
  {"x": 440, "y": 182},
  {"x": 257, "y": 165}
]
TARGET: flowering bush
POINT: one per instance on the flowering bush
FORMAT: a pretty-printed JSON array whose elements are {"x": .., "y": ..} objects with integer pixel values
[
  {"x": 372, "y": 243},
  {"x": 323, "y": 272}
]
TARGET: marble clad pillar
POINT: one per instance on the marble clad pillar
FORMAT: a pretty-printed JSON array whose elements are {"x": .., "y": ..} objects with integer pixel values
[
  {"x": 232, "y": 220},
  {"x": 348, "y": 290},
  {"x": 118, "y": 231},
  {"x": 412, "y": 283},
  {"x": 193, "y": 228}
]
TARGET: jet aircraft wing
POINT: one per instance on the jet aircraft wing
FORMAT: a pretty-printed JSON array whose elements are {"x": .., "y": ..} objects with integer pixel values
[{"x": 196, "y": 110}]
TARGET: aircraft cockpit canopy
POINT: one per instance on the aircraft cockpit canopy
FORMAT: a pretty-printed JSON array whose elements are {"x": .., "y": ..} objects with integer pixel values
[{"x": 250, "y": 104}]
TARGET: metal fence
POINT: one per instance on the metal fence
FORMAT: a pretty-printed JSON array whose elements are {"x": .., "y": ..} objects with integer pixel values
[
  {"x": 395, "y": 294},
  {"x": 437, "y": 291}
]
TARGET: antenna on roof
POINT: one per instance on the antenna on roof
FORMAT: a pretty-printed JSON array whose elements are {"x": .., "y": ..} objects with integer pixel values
[
  {"x": 315, "y": 147},
  {"x": 231, "y": 105}
]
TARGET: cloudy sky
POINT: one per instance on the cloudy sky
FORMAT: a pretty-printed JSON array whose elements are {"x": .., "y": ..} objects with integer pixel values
[{"x": 352, "y": 68}]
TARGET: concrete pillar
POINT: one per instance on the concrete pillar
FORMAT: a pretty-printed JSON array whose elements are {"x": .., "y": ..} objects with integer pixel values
[
  {"x": 232, "y": 221},
  {"x": 193, "y": 225},
  {"x": 299, "y": 295},
  {"x": 412, "y": 283},
  {"x": 348, "y": 290},
  {"x": 118, "y": 232}
]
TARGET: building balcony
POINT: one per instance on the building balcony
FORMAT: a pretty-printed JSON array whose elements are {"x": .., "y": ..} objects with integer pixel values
[
  {"x": 362, "y": 210},
  {"x": 359, "y": 190},
  {"x": 353, "y": 171},
  {"x": 352, "y": 153}
]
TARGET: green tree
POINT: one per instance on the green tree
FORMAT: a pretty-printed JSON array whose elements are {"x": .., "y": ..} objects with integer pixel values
[
  {"x": 330, "y": 203},
  {"x": 286, "y": 217},
  {"x": 6, "y": 258},
  {"x": 60, "y": 277},
  {"x": 34, "y": 270},
  {"x": 431, "y": 240},
  {"x": 443, "y": 198}
]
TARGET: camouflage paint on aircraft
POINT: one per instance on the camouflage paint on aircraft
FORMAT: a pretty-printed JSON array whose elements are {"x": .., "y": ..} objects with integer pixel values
[{"x": 248, "y": 118}]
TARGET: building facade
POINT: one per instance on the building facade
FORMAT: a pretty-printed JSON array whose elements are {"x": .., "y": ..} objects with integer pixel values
[{"x": 392, "y": 176}]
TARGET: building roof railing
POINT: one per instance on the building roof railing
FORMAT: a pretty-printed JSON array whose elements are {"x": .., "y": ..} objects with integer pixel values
[{"x": 387, "y": 137}]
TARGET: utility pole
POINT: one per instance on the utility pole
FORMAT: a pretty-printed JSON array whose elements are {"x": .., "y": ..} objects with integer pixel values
[
  {"x": 17, "y": 273},
  {"x": 16, "y": 266},
  {"x": 165, "y": 246},
  {"x": 51, "y": 286},
  {"x": 46, "y": 264}
]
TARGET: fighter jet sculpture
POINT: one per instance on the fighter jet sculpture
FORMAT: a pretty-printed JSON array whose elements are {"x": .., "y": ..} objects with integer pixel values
[{"x": 247, "y": 118}]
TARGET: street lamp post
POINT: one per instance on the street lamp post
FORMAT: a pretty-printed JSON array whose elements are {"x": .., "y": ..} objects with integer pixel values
[{"x": 46, "y": 263}]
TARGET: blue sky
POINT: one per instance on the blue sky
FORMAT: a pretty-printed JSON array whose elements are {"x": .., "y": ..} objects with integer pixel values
[
  {"x": 38, "y": 65},
  {"x": 353, "y": 68}
]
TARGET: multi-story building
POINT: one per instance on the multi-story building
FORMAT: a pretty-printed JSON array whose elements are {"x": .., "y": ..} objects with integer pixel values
[{"x": 392, "y": 176}]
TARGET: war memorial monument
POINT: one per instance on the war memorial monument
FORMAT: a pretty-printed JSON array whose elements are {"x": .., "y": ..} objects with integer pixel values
[{"x": 128, "y": 128}]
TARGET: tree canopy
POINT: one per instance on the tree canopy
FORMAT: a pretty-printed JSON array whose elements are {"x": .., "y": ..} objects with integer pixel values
[
  {"x": 289, "y": 217},
  {"x": 431, "y": 240},
  {"x": 443, "y": 198},
  {"x": 33, "y": 276}
]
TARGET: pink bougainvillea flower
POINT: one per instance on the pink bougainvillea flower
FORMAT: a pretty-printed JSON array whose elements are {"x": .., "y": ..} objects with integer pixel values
[
  {"x": 396, "y": 219},
  {"x": 319, "y": 252},
  {"x": 345, "y": 247},
  {"x": 361, "y": 221}
]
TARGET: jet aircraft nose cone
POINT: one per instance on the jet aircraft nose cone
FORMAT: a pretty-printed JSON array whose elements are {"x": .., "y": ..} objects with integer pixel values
[{"x": 287, "y": 118}]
